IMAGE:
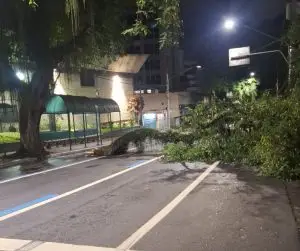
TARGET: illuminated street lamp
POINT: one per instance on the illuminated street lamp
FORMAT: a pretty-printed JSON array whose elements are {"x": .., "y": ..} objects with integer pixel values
[
  {"x": 252, "y": 74},
  {"x": 229, "y": 24},
  {"x": 20, "y": 75}
]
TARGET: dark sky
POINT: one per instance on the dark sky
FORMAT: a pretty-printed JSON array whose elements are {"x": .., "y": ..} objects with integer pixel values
[{"x": 208, "y": 44}]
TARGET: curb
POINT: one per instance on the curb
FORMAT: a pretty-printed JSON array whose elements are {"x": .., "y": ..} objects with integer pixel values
[
  {"x": 293, "y": 192},
  {"x": 52, "y": 155}
]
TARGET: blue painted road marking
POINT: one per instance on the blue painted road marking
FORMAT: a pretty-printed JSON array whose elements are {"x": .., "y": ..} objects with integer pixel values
[
  {"x": 27, "y": 204},
  {"x": 137, "y": 163}
]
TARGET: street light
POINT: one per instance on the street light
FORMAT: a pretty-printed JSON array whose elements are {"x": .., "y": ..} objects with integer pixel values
[
  {"x": 20, "y": 75},
  {"x": 252, "y": 74},
  {"x": 229, "y": 24},
  {"x": 198, "y": 67}
]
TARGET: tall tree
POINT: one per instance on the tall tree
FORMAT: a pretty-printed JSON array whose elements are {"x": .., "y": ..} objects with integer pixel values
[{"x": 44, "y": 35}]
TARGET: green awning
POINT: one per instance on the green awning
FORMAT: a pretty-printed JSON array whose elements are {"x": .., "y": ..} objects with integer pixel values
[
  {"x": 62, "y": 104},
  {"x": 104, "y": 105}
]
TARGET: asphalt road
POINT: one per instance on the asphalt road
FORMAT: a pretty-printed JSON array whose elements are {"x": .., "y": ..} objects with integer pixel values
[{"x": 136, "y": 202}]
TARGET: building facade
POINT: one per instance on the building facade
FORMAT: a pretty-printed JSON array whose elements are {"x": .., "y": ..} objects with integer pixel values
[
  {"x": 156, "y": 107},
  {"x": 118, "y": 87},
  {"x": 152, "y": 76}
]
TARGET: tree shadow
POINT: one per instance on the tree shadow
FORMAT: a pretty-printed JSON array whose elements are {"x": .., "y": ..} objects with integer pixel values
[
  {"x": 174, "y": 176},
  {"x": 260, "y": 196}
]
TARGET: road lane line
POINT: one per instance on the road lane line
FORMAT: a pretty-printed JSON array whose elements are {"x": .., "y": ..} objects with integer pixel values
[
  {"x": 49, "y": 170},
  {"x": 27, "y": 204},
  {"x": 136, "y": 163},
  {"x": 56, "y": 168},
  {"x": 143, "y": 230},
  {"x": 29, "y": 245},
  {"x": 76, "y": 190}
]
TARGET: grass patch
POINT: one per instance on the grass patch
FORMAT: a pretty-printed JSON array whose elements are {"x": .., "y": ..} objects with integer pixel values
[
  {"x": 9, "y": 137},
  {"x": 13, "y": 137}
]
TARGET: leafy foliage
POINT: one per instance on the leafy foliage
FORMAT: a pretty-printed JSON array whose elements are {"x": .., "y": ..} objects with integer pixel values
[
  {"x": 136, "y": 103},
  {"x": 293, "y": 38},
  {"x": 246, "y": 89},
  {"x": 165, "y": 13},
  {"x": 262, "y": 132}
]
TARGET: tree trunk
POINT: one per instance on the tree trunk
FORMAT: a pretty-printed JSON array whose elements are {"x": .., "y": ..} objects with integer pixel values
[{"x": 32, "y": 106}]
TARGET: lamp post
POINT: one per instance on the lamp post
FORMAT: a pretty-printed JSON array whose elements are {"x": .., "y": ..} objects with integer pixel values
[
  {"x": 231, "y": 24},
  {"x": 168, "y": 91}
]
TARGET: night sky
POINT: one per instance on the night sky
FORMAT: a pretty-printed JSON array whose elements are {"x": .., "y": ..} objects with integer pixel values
[{"x": 206, "y": 42}]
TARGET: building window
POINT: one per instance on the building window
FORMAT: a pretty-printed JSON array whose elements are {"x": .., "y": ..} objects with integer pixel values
[{"x": 87, "y": 78}]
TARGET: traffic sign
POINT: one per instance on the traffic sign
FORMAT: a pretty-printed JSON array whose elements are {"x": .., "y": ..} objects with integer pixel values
[{"x": 239, "y": 56}]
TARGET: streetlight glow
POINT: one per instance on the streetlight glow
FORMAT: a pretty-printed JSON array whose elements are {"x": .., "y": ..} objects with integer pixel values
[
  {"x": 199, "y": 67},
  {"x": 252, "y": 74},
  {"x": 20, "y": 75},
  {"x": 229, "y": 24}
]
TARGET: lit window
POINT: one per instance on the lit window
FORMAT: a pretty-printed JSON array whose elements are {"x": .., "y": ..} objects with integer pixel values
[{"x": 149, "y": 91}]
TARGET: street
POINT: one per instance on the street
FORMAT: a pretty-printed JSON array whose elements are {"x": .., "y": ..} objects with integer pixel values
[{"x": 137, "y": 202}]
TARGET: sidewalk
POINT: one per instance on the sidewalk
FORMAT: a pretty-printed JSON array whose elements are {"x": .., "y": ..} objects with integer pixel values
[
  {"x": 56, "y": 152},
  {"x": 65, "y": 150},
  {"x": 60, "y": 150}
]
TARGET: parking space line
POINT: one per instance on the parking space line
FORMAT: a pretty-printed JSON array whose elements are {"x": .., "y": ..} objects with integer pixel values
[
  {"x": 28, "y": 245},
  {"x": 5, "y": 217},
  {"x": 27, "y": 204},
  {"x": 143, "y": 230},
  {"x": 136, "y": 163},
  {"x": 49, "y": 170}
]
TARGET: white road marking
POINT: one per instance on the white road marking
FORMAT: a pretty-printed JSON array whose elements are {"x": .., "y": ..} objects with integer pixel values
[
  {"x": 49, "y": 170},
  {"x": 75, "y": 190},
  {"x": 56, "y": 168},
  {"x": 26, "y": 245},
  {"x": 143, "y": 230}
]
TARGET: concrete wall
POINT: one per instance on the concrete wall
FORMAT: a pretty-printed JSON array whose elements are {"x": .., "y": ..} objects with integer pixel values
[
  {"x": 158, "y": 102},
  {"x": 115, "y": 87}
]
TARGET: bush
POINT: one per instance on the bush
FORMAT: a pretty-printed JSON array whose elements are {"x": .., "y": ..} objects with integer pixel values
[{"x": 12, "y": 128}]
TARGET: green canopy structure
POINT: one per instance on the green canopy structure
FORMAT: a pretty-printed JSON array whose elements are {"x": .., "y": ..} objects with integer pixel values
[
  {"x": 104, "y": 105},
  {"x": 63, "y": 104},
  {"x": 66, "y": 104}
]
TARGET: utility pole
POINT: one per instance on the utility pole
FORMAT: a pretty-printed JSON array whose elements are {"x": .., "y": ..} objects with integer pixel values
[
  {"x": 290, "y": 48},
  {"x": 168, "y": 78},
  {"x": 168, "y": 98}
]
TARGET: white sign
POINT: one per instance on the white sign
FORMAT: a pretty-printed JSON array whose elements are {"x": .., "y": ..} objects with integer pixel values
[{"x": 238, "y": 56}]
